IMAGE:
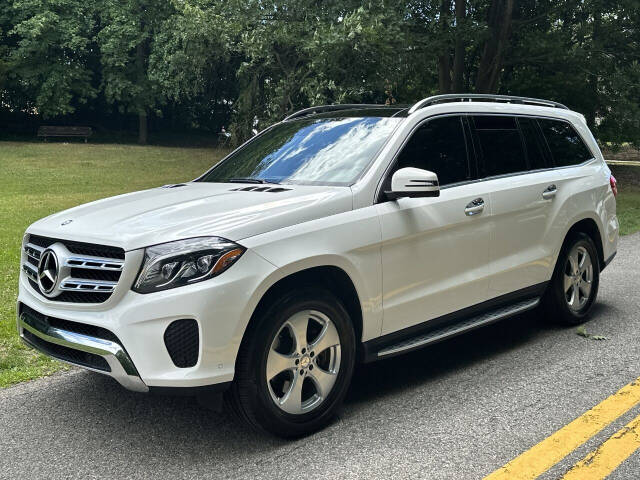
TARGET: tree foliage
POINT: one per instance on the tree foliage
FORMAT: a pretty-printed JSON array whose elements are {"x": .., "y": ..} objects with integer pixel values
[{"x": 208, "y": 63}]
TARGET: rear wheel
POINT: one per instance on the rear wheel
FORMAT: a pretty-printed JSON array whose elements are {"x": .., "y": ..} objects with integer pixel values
[
  {"x": 574, "y": 286},
  {"x": 295, "y": 366}
]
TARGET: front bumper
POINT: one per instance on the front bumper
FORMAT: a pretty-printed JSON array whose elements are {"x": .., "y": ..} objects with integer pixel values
[
  {"x": 44, "y": 338},
  {"x": 139, "y": 359}
]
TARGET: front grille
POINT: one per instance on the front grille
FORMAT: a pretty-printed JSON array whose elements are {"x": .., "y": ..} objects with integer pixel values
[
  {"x": 182, "y": 341},
  {"x": 89, "y": 272},
  {"x": 80, "y": 248},
  {"x": 70, "y": 355}
]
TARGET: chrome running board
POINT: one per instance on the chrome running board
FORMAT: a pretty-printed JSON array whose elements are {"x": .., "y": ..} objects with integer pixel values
[{"x": 459, "y": 327}]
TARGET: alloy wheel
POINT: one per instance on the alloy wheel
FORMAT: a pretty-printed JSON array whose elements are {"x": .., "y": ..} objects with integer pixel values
[
  {"x": 578, "y": 278},
  {"x": 303, "y": 362}
]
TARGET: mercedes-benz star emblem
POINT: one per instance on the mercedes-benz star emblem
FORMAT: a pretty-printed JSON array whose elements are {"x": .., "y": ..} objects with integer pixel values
[{"x": 48, "y": 271}]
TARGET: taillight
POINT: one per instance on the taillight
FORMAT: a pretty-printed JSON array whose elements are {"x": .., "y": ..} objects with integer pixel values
[{"x": 614, "y": 185}]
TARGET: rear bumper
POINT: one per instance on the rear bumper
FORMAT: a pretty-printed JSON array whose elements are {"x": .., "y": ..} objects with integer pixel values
[{"x": 48, "y": 340}]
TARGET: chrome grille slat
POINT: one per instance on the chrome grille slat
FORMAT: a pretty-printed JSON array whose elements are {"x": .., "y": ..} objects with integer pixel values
[
  {"x": 95, "y": 263},
  {"x": 31, "y": 271},
  {"x": 80, "y": 270},
  {"x": 77, "y": 284},
  {"x": 33, "y": 251}
]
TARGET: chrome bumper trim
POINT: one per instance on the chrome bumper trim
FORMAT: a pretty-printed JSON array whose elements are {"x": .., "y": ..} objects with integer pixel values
[{"x": 122, "y": 368}]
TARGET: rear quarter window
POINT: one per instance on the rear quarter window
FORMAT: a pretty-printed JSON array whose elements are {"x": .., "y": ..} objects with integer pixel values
[{"x": 566, "y": 146}]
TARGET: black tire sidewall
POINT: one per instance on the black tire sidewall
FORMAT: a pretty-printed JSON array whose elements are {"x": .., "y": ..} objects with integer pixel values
[
  {"x": 268, "y": 415},
  {"x": 567, "y": 315}
]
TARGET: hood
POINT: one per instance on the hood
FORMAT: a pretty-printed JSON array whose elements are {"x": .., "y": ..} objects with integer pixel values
[{"x": 232, "y": 211}]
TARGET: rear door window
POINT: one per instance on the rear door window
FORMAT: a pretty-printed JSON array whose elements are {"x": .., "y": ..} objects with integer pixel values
[
  {"x": 500, "y": 146},
  {"x": 534, "y": 143},
  {"x": 567, "y": 148}
]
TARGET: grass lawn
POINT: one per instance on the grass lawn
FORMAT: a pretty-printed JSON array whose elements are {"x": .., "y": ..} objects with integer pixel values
[
  {"x": 38, "y": 179},
  {"x": 628, "y": 203},
  {"x": 41, "y": 178}
]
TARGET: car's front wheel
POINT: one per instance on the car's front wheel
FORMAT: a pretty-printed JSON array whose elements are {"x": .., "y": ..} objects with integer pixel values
[{"x": 295, "y": 365}]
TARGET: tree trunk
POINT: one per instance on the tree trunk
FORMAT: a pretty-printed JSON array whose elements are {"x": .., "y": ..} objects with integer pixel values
[
  {"x": 459, "y": 51},
  {"x": 142, "y": 127},
  {"x": 444, "y": 59},
  {"x": 142, "y": 112},
  {"x": 592, "y": 80},
  {"x": 499, "y": 21}
]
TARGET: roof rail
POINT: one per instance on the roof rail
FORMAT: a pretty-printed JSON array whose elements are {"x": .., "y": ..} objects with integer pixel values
[
  {"x": 453, "y": 97},
  {"x": 329, "y": 108}
]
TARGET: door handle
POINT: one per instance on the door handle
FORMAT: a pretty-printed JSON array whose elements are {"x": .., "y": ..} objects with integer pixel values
[
  {"x": 549, "y": 192},
  {"x": 474, "y": 207}
]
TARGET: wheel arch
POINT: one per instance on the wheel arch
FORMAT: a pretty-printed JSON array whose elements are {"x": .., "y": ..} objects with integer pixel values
[
  {"x": 590, "y": 227},
  {"x": 331, "y": 277}
]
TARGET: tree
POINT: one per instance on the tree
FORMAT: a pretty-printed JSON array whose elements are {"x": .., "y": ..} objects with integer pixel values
[
  {"x": 125, "y": 38},
  {"x": 205, "y": 63},
  {"x": 49, "y": 59}
]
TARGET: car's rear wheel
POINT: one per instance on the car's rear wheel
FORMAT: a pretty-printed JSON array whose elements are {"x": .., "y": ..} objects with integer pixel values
[
  {"x": 574, "y": 285},
  {"x": 295, "y": 365}
]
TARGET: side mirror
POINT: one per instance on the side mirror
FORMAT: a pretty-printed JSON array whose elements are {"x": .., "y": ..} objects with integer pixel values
[{"x": 413, "y": 182}]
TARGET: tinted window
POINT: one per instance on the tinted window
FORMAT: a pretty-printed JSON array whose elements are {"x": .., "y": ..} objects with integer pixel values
[
  {"x": 327, "y": 151},
  {"x": 438, "y": 146},
  {"x": 500, "y": 144},
  {"x": 567, "y": 148},
  {"x": 533, "y": 142}
]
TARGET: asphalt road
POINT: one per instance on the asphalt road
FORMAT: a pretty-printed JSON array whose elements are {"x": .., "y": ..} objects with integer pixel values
[{"x": 458, "y": 410}]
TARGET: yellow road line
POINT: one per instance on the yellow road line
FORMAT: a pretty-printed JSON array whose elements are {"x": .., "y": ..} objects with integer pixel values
[
  {"x": 608, "y": 456},
  {"x": 541, "y": 457}
]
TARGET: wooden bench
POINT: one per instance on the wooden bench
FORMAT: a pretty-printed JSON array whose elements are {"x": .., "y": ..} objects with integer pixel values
[{"x": 63, "y": 131}]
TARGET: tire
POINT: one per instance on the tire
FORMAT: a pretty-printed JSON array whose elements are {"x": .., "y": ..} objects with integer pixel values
[
  {"x": 268, "y": 400},
  {"x": 566, "y": 300}
]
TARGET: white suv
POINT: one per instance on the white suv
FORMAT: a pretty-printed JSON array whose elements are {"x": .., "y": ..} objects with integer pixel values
[{"x": 343, "y": 234}]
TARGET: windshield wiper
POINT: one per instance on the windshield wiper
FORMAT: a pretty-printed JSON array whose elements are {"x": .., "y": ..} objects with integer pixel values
[{"x": 251, "y": 180}]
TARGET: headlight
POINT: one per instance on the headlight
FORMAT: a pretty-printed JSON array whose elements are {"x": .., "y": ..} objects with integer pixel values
[{"x": 184, "y": 262}]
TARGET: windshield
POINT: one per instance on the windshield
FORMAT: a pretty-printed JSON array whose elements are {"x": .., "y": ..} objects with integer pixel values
[{"x": 320, "y": 151}]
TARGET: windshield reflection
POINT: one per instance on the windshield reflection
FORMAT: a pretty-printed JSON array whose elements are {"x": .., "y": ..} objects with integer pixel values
[{"x": 319, "y": 151}]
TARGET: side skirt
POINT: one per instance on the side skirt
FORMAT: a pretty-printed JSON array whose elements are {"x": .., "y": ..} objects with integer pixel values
[{"x": 452, "y": 324}]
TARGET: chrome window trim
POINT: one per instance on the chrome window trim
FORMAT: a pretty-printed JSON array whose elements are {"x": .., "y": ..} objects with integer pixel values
[{"x": 517, "y": 174}]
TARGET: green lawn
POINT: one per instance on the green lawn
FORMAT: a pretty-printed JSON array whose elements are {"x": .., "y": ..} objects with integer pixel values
[
  {"x": 628, "y": 198},
  {"x": 38, "y": 179}
]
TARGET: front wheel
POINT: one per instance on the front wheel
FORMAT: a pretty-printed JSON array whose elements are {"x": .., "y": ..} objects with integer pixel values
[
  {"x": 574, "y": 285},
  {"x": 295, "y": 365}
]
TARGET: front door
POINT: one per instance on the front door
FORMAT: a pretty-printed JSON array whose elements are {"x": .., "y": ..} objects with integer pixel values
[{"x": 435, "y": 251}]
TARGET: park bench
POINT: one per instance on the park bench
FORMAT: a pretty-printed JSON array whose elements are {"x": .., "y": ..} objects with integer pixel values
[{"x": 64, "y": 131}]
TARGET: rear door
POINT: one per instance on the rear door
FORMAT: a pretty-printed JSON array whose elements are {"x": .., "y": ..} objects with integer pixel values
[{"x": 515, "y": 164}]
